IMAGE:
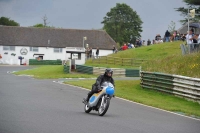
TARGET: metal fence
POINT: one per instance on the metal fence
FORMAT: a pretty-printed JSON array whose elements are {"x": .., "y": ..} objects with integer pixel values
[
  {"x": 118, "y": 61},
  {"x": 191, "y": 48},
  {"x": 183, "y": 86}
]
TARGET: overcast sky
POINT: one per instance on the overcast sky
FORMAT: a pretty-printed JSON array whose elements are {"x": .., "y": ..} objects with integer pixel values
[{"x": 88, "y": 14}]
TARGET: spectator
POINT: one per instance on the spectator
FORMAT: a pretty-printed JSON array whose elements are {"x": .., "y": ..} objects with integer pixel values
[
  {"x": 161, "y": 41},
  {"x": 114, "y": 49},
  {"x": 132, "y": 46},
  {"x": 167, "y": 36},
  {"x": 125, "y": 47},
  {"x": 195, "y": 38},
  {"x": 198, "y": 39},
  {"x": 90, "y": 52},
  {"x": 148, "y": 42},
  {"x": 129, "y": 45},
  {"x": 153, "y": 41},
  {"x": 174, "y": 35},
  {"x": 97, "y": 53},
  {"x": 189, "y": 39},
  {"x": 140, "y": 42},
  {"x": 157, "y": 38},
  {"x": 183, "y": 37},
  {"x": 192, "y": 31}
]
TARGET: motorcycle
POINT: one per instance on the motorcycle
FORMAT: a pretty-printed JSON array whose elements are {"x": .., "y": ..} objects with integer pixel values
[{"x": 100, "y": 101}]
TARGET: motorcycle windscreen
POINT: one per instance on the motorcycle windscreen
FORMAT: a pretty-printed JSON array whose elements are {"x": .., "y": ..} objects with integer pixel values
[{"x": 110, "y": 91}]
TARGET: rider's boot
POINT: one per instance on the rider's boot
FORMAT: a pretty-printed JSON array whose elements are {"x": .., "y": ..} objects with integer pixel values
[{"x": 85, "y": 100}]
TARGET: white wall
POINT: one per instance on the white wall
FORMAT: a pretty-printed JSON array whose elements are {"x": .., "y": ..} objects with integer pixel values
[
  {"x": 48, "y": 52},
  {"x": 48, "y": 55}
]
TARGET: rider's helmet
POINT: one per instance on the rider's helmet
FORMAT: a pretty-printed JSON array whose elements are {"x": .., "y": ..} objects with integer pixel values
[{"x": 107, "y": 71}]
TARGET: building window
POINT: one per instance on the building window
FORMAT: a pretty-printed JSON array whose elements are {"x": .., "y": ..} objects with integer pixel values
[
  {"x": 34, "y": 49},
  {"x": 76, "y": 56},
  {"x": 57, "y": 50},
  {"x": 9, "y": 48}
]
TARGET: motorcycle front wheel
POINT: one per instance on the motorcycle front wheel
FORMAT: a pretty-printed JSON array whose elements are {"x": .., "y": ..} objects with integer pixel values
[
  {"x": 103, "y": 109},
  {"x": 87, "y": 108}
]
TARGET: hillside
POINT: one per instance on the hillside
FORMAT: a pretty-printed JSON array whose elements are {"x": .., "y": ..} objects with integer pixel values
[{"x": 166, "y": 58}]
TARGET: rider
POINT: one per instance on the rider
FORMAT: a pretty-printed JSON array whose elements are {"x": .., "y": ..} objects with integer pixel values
[{"x": 107, "y": 76}]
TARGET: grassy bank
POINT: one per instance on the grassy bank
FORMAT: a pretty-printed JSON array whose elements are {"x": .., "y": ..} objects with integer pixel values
[
  {"x": 165, "y": 58},
  {"x": 131, "y": 90}
]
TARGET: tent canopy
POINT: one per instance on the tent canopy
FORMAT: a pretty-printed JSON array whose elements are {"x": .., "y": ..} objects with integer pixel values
[{"x": 195, "y": 25}]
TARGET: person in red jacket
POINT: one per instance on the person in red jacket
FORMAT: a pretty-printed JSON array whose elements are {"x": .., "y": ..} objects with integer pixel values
[{"x": 125, "y": 47}]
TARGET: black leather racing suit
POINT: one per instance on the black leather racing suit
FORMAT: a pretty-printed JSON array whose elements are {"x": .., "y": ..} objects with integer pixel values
[{"x": 97, "y": 86}]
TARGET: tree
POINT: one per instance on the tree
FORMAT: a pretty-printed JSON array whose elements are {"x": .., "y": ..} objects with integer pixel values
[
  {"x": 172, "y": 27},
  {"x": 122, "y": 23},
  {"x": 42, "y": 26},
  {"x": 39, "y": 25},
  {"x": 192, "y": 4},
  {"x": 6, "y": 21}
]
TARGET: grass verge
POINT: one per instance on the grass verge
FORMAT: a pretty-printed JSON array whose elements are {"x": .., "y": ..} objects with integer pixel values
[
  {"x": 131, "y": 90},
  {"x": 52, "y": 72}
]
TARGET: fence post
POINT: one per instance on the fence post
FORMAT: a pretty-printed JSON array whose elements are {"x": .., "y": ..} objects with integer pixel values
[{"x": 132, "y": 62}]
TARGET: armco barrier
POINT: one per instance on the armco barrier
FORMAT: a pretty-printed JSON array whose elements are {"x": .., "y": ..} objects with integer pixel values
[
  {"x": 44, "y": 62},
  {"x": 118, "y": 72},
  {"x": 84, "y": 69},
  {"x": 183, "y": 86},
  {"x": 66, "y": 69}
]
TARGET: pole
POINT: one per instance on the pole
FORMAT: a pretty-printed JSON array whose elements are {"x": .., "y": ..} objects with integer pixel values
[
  {"x": 83, "y": 42},
  {"x": 188, "y": 20}
]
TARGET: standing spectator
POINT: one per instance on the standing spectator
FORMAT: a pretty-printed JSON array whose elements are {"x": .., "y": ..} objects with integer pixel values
[
  {"x": 167, "y": 36},
  {"x": 174, "y": 35},
  {"x": 143, "y": 42},
  {"x": 148, "y": 42},
  {"x": 198, "y": 39},
  {"x": 114, "y": 49},
  {"x": 0, "y": 56},
  {"x": 192, "y": 31},
  {"x": 132, "y": 46},
  {"x": 90, "y": 52},
  {"x": 87, "y": 53},
  {"x": 189, "y": 39},
  {"x": 183, "y": 37},
  {"x": 97, "y": 53},
  {"x": 153, "y": 41},
  {"x": 137, "y": 43},
  {"x": 140, "y": 42},
  {"x": 178, "y": 36}
]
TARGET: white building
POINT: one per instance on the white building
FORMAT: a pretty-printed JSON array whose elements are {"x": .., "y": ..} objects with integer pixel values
[{"x": 51, "y": 44}]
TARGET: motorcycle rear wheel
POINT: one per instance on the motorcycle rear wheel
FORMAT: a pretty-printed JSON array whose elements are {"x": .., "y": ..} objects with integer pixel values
[
  {"x": 103, "y": 109},
  {"x": 87, "y": 108}
]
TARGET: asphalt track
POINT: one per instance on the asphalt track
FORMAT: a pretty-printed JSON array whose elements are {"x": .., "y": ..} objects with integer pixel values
[{"x": 30, "y": 105}]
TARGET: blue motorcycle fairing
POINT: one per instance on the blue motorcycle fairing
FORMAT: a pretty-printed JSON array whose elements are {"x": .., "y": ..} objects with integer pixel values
[
  {"x": 92, "y": 99},
  {"x": 110, "y": 90}
]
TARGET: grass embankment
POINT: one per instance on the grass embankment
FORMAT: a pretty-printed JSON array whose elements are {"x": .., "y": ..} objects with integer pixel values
[
  {"x": 52, "y": 72},
  {"x": 165, "y": 58},
  {"x": 131, "y": 90}
]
